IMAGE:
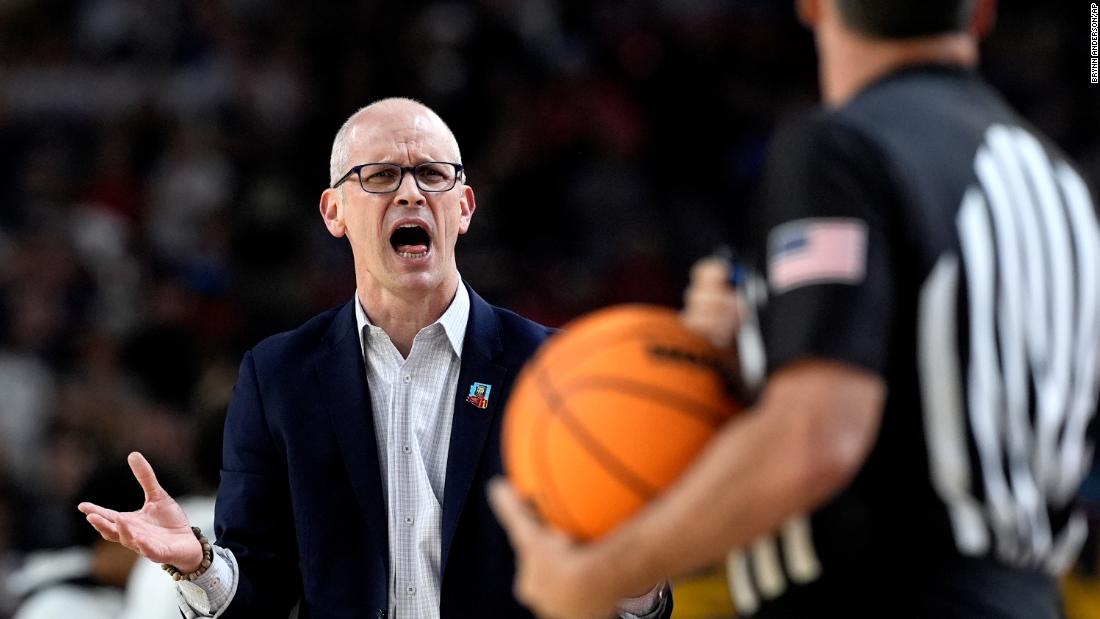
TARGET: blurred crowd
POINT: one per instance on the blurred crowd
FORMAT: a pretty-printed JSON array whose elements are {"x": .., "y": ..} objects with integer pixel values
[{"x": 161, "y": 161}]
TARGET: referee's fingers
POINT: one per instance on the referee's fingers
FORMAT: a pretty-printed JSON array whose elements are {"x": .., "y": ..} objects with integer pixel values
[
  {"x": 710, "y": 298},
  {"x": 710, "y": 271},
  {"x": 519, "y": 522}
]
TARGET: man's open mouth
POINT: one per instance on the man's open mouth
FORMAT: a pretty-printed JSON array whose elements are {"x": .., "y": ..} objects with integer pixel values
[{"x": 411, "y": 241}]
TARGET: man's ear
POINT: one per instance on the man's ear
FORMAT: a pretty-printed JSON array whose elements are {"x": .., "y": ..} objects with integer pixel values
[
  {"x": 985, "y": 15},
  {"x": 467, "y": 206},
  {"x": 332, "y": 212}
]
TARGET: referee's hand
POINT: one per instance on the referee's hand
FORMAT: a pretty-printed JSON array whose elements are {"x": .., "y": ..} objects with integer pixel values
[
  {"x": 159, "y": 531},
  {"x": 712, "y": 306}
]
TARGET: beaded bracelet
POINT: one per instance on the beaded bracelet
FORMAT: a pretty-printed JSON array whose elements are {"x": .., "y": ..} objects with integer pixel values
[{"x": 207, "y": 560}]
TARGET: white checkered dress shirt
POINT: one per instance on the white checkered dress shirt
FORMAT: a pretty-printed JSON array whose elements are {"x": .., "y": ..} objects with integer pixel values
[{"x": 413, "y": 402}]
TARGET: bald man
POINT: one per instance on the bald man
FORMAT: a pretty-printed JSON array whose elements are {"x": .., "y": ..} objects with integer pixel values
[{"x": 354, "y": 470}]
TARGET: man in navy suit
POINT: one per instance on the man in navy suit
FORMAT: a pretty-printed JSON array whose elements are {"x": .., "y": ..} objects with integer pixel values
[{"x": 354, "y": 471}]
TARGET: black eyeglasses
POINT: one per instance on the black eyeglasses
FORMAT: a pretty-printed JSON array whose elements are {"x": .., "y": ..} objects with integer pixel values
[{"x": 387, "y": 177}]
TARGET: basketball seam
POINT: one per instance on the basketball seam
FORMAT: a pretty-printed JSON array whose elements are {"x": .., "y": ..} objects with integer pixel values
[
  {"x": 643, "y": 331},
  {"x": 709, "y": 416},
  {"x": 610, "y": 462},
  {"x": 554, "y": 502}
]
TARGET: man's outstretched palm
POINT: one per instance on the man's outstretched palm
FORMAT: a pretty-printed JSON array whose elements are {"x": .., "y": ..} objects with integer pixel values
[{"x": 159, "y": 531}]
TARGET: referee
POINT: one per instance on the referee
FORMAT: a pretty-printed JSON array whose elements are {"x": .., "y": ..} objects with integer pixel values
[{"x": 932, "y": 330}]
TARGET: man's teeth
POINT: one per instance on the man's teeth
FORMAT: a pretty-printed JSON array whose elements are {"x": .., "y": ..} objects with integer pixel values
[{"x": 411, "y": 254}]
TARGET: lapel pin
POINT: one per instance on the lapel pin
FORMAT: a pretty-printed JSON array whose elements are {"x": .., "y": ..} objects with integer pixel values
[{"x": 479, "y": 395}]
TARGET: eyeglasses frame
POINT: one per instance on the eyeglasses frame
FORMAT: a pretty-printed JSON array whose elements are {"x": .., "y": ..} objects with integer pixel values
[{"x": 459, "y": 171}]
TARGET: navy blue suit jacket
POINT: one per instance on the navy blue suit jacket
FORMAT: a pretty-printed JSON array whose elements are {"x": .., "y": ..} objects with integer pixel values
[{"x": 301, "y": 503}]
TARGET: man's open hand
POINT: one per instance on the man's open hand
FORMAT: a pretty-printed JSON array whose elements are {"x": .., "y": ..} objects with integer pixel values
[{"x": 158, "y": 531}]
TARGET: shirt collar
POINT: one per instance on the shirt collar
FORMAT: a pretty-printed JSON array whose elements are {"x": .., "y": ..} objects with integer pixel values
[{"x": 453, "y": 320}]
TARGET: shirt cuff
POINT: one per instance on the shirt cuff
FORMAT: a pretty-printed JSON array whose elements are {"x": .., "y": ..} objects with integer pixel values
[
  {"x": 646, "y": 606},
  {"x": 210, "y": 594}
]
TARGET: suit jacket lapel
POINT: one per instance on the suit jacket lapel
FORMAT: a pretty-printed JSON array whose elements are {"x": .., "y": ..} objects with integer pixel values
[
  {"x": 470, "y": 425},
  {"x": 342, "y": 375}
]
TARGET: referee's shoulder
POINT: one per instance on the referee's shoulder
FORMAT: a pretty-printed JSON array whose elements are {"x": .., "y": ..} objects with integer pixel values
[{"x": 821, "y": 134}]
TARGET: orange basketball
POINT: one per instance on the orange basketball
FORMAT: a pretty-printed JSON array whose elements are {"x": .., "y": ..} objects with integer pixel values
[{"x": 609, "y": 413}]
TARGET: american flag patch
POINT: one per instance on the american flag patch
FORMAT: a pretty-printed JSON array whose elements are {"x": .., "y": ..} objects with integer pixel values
[{"x": 817, "y": 251}]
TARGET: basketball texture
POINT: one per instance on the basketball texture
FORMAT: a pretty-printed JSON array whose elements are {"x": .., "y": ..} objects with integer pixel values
[{"x": 609, "y": 413}]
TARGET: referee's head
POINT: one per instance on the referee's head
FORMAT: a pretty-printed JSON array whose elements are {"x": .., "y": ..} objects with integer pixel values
[
  {"x": 902, "y": 19},
  {"x": 858, "y": 41}
]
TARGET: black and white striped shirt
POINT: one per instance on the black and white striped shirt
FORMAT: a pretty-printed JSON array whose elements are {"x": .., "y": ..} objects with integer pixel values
[{"x": 926, "y": 233}]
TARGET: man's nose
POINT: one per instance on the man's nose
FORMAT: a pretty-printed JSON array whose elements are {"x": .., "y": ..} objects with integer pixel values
[{"x": 408, "y": 193}]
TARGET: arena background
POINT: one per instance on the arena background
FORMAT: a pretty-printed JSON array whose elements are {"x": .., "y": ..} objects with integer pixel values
[{"x": 161, "y": 162}]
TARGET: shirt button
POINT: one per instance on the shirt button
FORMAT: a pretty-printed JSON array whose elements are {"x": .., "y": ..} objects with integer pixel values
[
  {"x": 408, "y": 378},
  {"x": 405, "y": 448},
  {"x": 409, "y": 520},
  {"x": 410, "y": 590}
]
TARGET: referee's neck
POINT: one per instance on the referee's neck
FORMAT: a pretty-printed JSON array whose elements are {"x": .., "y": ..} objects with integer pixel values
[{"x": 849, "y": 62}]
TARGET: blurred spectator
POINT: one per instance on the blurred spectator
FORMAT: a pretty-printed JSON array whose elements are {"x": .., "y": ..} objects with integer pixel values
[
  {"x": 191, "y": 184},
  {"x": 87, "y": 577}
]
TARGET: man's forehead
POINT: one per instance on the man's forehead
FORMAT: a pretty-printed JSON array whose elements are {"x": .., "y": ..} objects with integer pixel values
[{"x": 403, "y": 132}]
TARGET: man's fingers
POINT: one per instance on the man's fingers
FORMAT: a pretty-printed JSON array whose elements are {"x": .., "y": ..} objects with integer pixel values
[
  {"x": 145, "y": 476},
  {"x": 105, "y": 527},
  {"x": 712, "y": 313},
  {"x": 519, "y": 521},
  {"x": 710, "y": 299},
  {"x": 710, "y": 291},
  {"x": 711, "y": 271},
  {"x": 91, "y": 508}
]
